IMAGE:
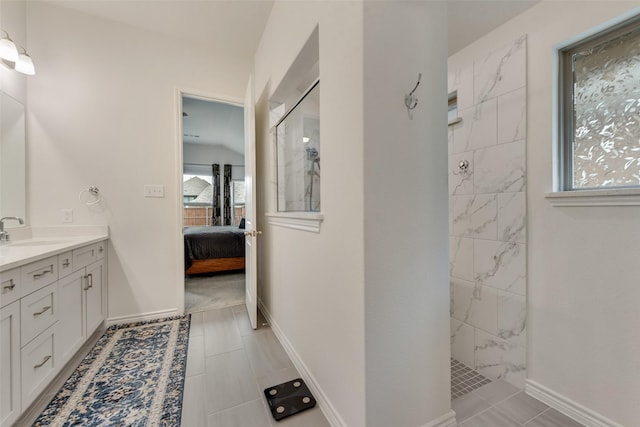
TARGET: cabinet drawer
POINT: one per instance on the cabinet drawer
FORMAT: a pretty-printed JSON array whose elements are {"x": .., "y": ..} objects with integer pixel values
[
  {"x": 38, "y": 311},
  {"x": 65, "y": 264},
  {"x": 101, "y": 247},
  {"x": 10, "y": 289},
  {"x": 84, "y": 256},
  {"x": 38, "y": 365},
  {"x": 39, "y": 274}
]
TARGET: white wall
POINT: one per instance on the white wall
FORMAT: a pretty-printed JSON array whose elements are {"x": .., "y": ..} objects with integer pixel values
[
  {"x": 405, "y": 215},
  {"x": 363, "y": 303},
  {"x": 313, "y": 284},
  {"x": 582, "y": 261},
  {"x": 103, "y": 111}
]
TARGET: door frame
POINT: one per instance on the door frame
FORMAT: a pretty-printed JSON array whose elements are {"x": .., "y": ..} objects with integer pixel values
[{"x": 179, "y": 147}]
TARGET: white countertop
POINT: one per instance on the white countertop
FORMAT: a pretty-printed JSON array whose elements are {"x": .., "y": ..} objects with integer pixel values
[{"x": 44, "y": 242}]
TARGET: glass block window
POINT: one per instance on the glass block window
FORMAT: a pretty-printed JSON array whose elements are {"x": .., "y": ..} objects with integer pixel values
[{"x": 601, "y": 110}]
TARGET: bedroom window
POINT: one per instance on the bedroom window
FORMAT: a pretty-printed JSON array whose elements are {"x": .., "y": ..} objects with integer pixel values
[
  {"x": 600, "y": 111},
  {"x": 197, "y": 196},
  {"x": 298, "y": 154}
]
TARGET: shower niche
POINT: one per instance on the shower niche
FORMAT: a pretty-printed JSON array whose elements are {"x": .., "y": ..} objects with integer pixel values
[{"x": 297, "y": 137}]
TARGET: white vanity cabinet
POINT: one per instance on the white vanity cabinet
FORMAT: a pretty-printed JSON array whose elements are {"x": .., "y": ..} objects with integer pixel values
[
  {"x": 48, "y": 309},
  {"x": 10, "y": 405},
  {"x": 82, "y": 302},
  {"x": 10, "y": 289}
]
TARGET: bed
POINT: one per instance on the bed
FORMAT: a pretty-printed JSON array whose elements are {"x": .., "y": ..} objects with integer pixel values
[{"x": 211, "y": 249}]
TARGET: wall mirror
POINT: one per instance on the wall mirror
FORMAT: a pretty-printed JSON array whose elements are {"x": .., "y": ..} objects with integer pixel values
[{"x": 12, "y": 159}]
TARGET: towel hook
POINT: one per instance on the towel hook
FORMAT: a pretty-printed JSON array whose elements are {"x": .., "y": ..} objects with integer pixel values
[{"x": 410, "y": 101}]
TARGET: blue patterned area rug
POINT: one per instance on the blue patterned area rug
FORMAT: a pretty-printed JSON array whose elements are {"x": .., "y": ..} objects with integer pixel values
[{"x": 134, "y": 376}]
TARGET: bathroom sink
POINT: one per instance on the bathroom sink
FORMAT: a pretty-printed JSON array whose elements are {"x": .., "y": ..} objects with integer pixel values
[{"x": 26, "y": 243}]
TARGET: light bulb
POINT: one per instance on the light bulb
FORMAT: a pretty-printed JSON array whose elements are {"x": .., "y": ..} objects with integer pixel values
[
  {"x": 24, "y": 64},
  {"x": 8, "y": 49}
]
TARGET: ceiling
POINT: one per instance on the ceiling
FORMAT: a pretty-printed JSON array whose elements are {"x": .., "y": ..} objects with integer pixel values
[
  {"x": 471, "y": 19},
  {"x": 226, "y": 26},
  {"x": 213, "y": 123},
  {"x": 234, "y": 27}
]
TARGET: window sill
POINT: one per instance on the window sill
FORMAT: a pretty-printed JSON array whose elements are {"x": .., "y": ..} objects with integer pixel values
[
  {"x": 304, "y": 221},
  {"x": 613, "y": 197}
]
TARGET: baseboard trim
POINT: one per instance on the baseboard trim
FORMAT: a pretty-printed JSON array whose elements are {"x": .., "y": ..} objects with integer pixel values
[
  {"x": 323, "y": 402},
  {"x": 447, "y": 420},
  {"x": 142, "y": 317},
  {"x": 567, "y": 406}
]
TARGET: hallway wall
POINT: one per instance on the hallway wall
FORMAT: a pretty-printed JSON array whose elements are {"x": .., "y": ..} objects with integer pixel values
[
  {"x": 362, "y": 305},
  {"x": 312, "y": 284},
  {"x": 488, "y": 211}
]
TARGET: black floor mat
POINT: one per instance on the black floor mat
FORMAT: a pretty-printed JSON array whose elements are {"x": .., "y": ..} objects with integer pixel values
[{"x": 289, "y": 398}]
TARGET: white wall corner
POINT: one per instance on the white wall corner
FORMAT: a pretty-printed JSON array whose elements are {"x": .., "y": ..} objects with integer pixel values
[
  {"x": 324, "y": 403},
  {"x": 567, "y": 406}
]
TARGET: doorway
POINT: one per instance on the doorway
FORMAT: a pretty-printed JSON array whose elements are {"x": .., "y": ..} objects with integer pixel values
[{"x": 211, "y": 209}]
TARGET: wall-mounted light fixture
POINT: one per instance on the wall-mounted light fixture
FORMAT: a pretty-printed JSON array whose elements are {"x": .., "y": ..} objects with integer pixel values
[
  {"x": 15, "y": 58},
  {"x": 8, "y": 49}
]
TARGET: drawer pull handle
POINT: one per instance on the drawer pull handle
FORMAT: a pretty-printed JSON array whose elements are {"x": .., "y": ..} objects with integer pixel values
[
  {"x": 100, "y": 249},
  {"x": 10, "y": 286},
  {"x": 41, "y": 312},
  {"x": 47, "y": 271},
  {"x": 66, "y": 264},
  {"x": 90, "y": 276},
  {"x": 41, "y": 364}
]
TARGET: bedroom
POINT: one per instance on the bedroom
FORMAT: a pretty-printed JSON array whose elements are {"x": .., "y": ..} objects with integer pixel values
[{"x": 213, "y": 203}]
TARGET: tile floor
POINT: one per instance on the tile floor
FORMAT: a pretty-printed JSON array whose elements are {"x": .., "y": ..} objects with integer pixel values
[
  {"x": 228, "y": 367},
  {"x": 464, "y": 379},
  {"x": 499, "y": 404},
  {"x": 229, "y": 364}
]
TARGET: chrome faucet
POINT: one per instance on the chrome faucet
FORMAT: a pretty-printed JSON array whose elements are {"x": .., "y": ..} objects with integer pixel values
[{"x": 4, "y": 235}]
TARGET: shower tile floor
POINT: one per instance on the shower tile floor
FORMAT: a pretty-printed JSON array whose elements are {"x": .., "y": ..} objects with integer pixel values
[
  {"x": 481, "y": 402},
  {"x": 464, "y": 379}
]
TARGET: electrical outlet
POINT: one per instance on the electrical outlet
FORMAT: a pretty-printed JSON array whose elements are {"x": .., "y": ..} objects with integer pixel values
[
  {"x": 67, "y": 215},
  {"x": 154, "y": 190}
]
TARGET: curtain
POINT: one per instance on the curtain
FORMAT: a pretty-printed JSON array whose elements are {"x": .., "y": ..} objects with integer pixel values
[
  {"x": 227, "y": 195},
  {"x": 215, "y": 202}
]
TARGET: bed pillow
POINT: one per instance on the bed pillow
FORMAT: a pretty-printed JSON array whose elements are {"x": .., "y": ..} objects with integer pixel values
[{"x": 241, "y": 223}]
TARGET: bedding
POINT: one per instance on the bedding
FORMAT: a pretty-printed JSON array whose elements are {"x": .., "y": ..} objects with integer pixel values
[{"x": 216, "y": 248}]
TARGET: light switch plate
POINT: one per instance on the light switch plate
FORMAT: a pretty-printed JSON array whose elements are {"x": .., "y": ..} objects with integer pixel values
[{"x": 153, "y": 190}]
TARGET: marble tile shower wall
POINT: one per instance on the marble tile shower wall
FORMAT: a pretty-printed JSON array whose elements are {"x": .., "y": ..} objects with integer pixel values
[{"x": 487, "y": 214}]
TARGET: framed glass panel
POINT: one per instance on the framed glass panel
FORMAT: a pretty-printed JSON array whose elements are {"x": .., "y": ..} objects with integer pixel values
[{"x": 298, "y": 155}]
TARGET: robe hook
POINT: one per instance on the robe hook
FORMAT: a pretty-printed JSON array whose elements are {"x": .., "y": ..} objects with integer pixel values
[{"x": 410, "y": 101}]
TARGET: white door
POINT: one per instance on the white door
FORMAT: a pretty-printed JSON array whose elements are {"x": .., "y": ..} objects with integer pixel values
[{"x": 250, "y": 233}]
